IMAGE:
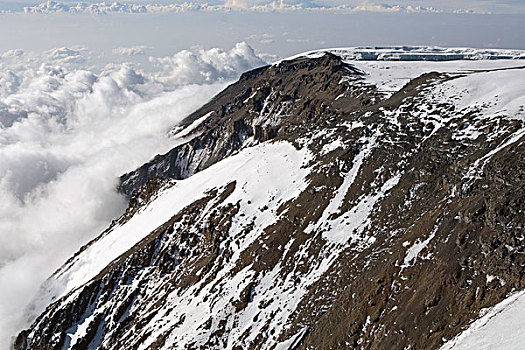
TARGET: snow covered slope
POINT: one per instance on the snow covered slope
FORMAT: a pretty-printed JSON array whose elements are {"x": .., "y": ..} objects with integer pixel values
[
  {"x": 389, "y": 68},
  {"x": 417, "y": 53},
  {"x": 268, "y": 170},
  {"x": 500, "y": 327},
  {"x": 313, "y": 206}
]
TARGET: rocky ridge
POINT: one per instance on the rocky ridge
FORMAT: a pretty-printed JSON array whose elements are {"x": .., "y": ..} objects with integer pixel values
[
  {"x": 332, "y": 216},
  {"x": 259, "y": 107}
]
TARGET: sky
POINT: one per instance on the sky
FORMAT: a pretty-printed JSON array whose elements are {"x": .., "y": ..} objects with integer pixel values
[
  {"x": 280, "y": 33},
  {"x": 279, "y": 28},
  {"x": 89, "y": 91}
]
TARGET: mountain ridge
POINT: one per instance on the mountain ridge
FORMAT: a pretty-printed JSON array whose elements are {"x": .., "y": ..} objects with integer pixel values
[{"x": 366, "y": 221}]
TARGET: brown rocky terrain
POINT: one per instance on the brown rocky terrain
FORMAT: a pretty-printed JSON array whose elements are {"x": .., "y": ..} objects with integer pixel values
[{"x": 406, "y": 226}]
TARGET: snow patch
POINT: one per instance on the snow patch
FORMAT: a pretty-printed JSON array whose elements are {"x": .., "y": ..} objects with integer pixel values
[{"x": 413, "y": 252}]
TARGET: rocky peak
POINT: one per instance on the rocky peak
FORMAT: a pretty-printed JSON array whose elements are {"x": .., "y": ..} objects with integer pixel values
[{"x": 264, "y": 104}]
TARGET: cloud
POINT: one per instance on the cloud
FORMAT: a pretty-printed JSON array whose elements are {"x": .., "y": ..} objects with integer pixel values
[
  {"x": 367, "y": 6},
  {"x": 104, "y": 8},
  {"x": 344, "y": 6},
  {"x": 260, "y": 5},
  {"x": 65, "y": 55},
  {"x": 205, "y": 66},
  {"x": 263, "y": 38},
  {"x": 471, "y": 11},
  {"x": 67, "y": 133},
  {"x": 290, "y": 40},
  {"x": 131, "y": 51},
  {"x": 12, "y": 53}
]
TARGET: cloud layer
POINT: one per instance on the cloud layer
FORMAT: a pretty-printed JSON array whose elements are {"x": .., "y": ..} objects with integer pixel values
[
  {"x": 67, "y": 132},
  {"x": 348, "y": 6}
]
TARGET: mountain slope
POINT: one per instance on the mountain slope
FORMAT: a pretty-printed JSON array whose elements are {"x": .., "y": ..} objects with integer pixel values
[{"x": 310, "y": 208}]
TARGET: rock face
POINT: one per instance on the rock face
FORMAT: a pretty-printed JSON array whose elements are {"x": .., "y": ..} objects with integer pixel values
[{"x": 316, "y": 212}]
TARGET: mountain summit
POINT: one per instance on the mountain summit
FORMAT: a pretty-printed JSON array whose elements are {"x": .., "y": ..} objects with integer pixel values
[{"x": 317, "y": 203}]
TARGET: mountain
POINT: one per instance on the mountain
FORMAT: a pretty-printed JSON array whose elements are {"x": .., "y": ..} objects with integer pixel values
[{"x": 317, "y": 203}]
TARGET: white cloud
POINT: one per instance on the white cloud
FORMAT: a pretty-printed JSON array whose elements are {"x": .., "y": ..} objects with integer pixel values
[
  {"x": 102, "y": 8},
  {"x": 345, "y": 6},
  {"x": 205, "y": 66},
  {"x": 65, "y": 55},
  {"x": 131, "y": 51},
  {"x": 260, "y": 5},
  {"x": 67, "y": 133},
  {"x": 290, "y": 40},
  {"x": 12, "y": 53},
  {"x": 471, "y": 11}
]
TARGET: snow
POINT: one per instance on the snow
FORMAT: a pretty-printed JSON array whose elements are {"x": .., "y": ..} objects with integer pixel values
[
  {"x": 72, "y": 121},
  {"x": 332, "y": 146},
  {"x": 353, "y": 222},
  {"x": 260, "y": 172},
  {"x": 390, "y": 76},
  {"x": 424, "y": 53},
  {"x": 187, "y": 130},
  {"x": 413, "y": 252},
  {"x": 280, "y": 293},
  {"x": 478, "y": 166},
  {"x": 79, "y": 330},
  {"x": 502, "y": 92},
  {"x": 416, "y": 53},
  {"x": 390, "y": 68},
  {"x": 501, "y": 327},
  {"x": 349, "y": 178},
  {"x": 293, "y": 342}
]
